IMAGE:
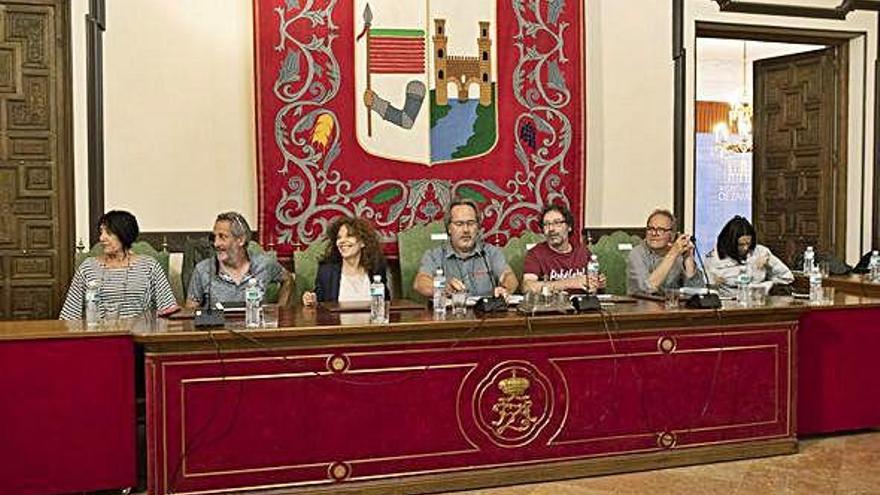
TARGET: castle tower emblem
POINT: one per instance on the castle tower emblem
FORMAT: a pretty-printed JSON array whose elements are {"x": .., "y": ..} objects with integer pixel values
[{"x": 425, "y": 89}]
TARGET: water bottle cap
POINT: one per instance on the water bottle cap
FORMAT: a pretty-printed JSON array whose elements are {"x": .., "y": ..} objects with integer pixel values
[
  {"x": 377, "y": 279},
  {"x": 439, "y": 271}
]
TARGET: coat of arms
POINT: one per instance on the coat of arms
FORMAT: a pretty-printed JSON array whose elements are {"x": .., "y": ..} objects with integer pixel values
[{"x": 425, "y": 87}]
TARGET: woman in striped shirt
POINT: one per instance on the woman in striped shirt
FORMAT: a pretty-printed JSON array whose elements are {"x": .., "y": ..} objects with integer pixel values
[{"x": 128, "y": 284}]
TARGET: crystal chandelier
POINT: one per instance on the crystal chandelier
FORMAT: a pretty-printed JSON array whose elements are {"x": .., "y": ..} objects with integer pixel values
[{"x": 735, "y": 135}]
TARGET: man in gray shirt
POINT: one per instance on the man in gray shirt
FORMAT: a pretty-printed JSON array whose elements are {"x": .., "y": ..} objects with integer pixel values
[
  {"x": 224, "y": 276},
  {"x": 665, "y": 259},
  {"x": 468, "y": 264}
]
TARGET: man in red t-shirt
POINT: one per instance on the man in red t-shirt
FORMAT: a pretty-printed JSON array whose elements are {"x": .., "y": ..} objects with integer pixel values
[{"x": 558, "y": 263}]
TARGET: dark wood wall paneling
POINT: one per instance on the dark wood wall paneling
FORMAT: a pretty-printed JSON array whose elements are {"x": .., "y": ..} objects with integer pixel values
[{"x": 36, "y": 159}]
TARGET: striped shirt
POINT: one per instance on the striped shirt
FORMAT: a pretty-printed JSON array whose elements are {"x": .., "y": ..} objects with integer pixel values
[{"x": 129, "y": 290}]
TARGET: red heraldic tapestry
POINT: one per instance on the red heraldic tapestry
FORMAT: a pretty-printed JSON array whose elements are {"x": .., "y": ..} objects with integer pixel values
[{"x": 387, "y": 110}]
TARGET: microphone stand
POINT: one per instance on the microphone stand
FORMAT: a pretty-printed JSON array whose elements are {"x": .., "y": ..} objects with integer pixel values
[
  {"x": 706, "y": 300},
  {"x": 209, "y": 316}
]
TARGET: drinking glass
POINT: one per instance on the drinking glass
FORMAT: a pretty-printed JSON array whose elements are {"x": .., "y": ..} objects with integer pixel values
[
  {"x": 671, "y": 298},
  {"x": 828, "y": 295},
  {"x": 757, "y": 295},
  {"x": 459, "y": 303},
  {"x": 270, "y": 315}
]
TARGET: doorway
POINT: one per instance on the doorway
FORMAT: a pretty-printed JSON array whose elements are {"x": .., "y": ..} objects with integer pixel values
[{"x": 769, "y": 148}]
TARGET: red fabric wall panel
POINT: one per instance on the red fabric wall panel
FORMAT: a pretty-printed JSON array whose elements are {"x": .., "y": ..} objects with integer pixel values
[{"x": 67, "y": 423}]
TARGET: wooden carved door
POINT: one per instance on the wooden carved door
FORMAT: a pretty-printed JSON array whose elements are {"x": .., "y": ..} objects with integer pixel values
[
  {"x": 35, "y": 158},
  {"x": 799, "y": 162}
]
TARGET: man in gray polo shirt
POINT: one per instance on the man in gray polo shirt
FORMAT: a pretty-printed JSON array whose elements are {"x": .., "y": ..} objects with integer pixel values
[
  {"x": 665, "y": 259},
  {"x": 469, "y": 265},
  {"x": 225, "y": 276}
]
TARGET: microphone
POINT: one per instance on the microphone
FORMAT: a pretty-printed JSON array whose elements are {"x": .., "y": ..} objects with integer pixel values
[
  {"x": 482, "y": 254},
  {"x": 488, "y": 304},
  {"x": 209, "y": 316},
  {"x": 707, "y": 300}
]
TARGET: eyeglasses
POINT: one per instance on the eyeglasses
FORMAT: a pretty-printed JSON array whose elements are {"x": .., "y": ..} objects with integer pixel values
[
  {"x": 657, "y": 230},
  {"x": 554, "y": 223},
  {"x": 464, "y": 223}
]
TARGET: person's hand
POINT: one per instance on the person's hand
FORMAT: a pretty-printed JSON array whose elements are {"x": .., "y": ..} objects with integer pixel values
[
  {"x": 454, "y": 285},
  {"x": 309, "y": 299},
  {"x": 593, "y": 282},
  {"x": 501, "y": 292},
  {"x": 368, "y": 98},
  {"x": 682, "y": 246}
]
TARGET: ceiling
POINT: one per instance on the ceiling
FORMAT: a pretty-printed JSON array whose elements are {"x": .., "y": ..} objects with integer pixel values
[{"x": 720, "y": 63}]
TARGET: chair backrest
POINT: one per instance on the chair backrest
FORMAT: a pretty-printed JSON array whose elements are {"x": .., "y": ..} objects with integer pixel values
[
  {"x": 412, "y": 244},
  {"x": 515, "y": 252},
  {"x": 138, "y": 247},
  {"x": 612, "y": 251},
  {"x": 306, "y": 265}
]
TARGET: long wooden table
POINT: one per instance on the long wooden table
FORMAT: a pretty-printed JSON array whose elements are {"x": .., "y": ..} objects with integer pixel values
[{"x": 330, "y": 403}]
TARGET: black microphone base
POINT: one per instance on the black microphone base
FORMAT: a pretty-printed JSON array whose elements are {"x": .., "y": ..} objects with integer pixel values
[
  {"x": 586, "y": 303},
  {"x": 703, "y": 301},
  {"x": 205, "y": 318},
  {"x": 490, "y": 305}
]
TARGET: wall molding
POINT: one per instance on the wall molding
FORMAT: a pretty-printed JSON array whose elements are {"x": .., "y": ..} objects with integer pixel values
[
  {"x": 772, "y": 33},
  {"x": 760, "y": 8},
  {"x": 96, "y": 24}
]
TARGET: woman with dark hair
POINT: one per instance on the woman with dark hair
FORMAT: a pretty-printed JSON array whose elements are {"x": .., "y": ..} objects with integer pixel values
[
  {"x": 736, "y": 249},
  {"x": 128, "y": 284},
  {"x": 352, "y": 258}
]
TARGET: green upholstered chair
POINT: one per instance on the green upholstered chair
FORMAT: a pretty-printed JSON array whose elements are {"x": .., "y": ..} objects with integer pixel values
[
  {"x": 138, "y": 247},
  {"x": 306, "y": 265},
  {"x": 612, "y": 252},
  {"x": 515, "y": 252},
  {"x": 412, "y": 244}
]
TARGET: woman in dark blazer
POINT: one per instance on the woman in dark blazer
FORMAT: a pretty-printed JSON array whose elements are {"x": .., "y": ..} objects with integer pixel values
[{"x": 353, "y": 257}]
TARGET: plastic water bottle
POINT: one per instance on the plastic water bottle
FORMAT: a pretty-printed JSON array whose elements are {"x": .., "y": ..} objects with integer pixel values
[
  {"x": 742, "y": 286},
  {"x": 253, "y": 298},
  {"x": 91, "y": 302},
  {"x": 874, "y": 266},
  {"x": 809, "y": 261},
  {"x": 439, "y": 292},
  {"x": 815, "y": 286},
  {"x": 377, "y": 300},
  {"x": 592, "y": 274}
]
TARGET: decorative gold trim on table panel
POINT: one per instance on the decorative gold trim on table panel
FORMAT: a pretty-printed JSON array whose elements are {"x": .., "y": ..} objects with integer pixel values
[
  {"x": 338, "y": 471},
  {"x": 458, "y": 406},
  {"x": 666, "y": 440},
  {"x": 185, "y": 473},
  {"x": 283, "y": 359},
  {"x": 774, "y": 347},
  {"x": 447, "y": 340},
  {"x": 777, "y": 447},
  {"x": 517, "y": 405},
  {"x": 666, "y": 344},
  {"x": 530, "y": 471}
]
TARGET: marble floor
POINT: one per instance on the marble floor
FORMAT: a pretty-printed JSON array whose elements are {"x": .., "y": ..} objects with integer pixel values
[
  {"x": 841, "y": 464},
  {"x": 844, "y": 464}
]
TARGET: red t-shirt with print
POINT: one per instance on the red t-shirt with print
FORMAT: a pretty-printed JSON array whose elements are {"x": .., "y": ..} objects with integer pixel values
[{"x": 549, "y": 265}]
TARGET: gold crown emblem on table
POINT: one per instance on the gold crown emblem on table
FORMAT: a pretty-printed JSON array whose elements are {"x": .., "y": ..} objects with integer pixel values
[{"x": 514, "y": 385}]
